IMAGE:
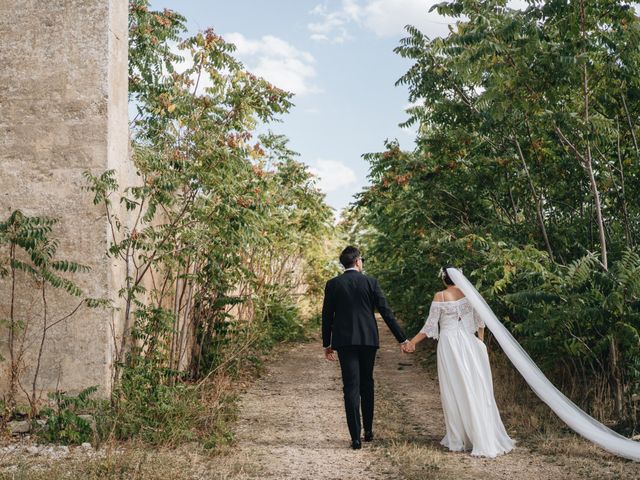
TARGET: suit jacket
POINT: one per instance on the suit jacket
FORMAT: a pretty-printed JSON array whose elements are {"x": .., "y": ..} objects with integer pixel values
[{"x": 350, "y": 301}]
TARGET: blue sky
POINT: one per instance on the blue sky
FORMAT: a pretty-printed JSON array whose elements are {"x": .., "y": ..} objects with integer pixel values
[{"x": 337, "y": 57}]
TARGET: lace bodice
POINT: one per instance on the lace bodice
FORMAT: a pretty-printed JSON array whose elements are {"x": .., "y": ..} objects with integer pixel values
[{"x": 451, "y": 315}]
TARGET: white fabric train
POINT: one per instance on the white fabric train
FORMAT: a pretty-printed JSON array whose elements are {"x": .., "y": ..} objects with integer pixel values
[{"x": 568, "y": 411}]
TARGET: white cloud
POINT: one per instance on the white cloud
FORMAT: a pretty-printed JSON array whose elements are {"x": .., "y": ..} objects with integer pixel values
[
  {"x": 417, "y": 103},
  {"x": 383, "y": 17},
  {"x": 332, "y": 26},
  {"x": 389, "y": 17},
  {"x": 518, "y": 4},
  {"x": 333, "y": 175},
  {"x": 277, "y": 61}
]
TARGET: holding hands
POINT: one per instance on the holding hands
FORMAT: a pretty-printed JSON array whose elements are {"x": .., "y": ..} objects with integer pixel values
[{"x": 407, "y": 347}]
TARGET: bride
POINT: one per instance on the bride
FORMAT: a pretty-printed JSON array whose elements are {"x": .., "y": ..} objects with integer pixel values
[
  {"x": 471, "y": 416},
  {"x": 569, "y": 412}
]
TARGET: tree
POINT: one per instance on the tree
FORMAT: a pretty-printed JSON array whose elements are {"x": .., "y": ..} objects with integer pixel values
[
  {"x": 219, "y": 214},
  {"x": 30, "y": 254},
  {"x": 527, "y": 143}
]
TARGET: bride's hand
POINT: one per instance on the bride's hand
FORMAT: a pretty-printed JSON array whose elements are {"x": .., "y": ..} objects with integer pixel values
[{"x": 408, "y": 347}]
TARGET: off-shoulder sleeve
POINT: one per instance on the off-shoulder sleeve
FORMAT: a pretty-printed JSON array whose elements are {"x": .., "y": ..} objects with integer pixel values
[
  {"x": 430, "y": 328},
  {"x": 477, "y": 321}
]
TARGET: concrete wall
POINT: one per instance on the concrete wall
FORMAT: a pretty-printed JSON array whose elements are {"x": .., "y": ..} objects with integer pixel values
[{"x": 63, "y": 110}]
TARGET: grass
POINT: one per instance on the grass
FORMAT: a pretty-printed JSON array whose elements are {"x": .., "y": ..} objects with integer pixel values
[
  {"x": 540, "y": 434},
  {"x": 174, "y": 415},
  {"x": 523, "y": 413},
  {"x": 415, "y": 459},
  {"x": 187, "y": 434},
  {"x": 130, "y": 462}
]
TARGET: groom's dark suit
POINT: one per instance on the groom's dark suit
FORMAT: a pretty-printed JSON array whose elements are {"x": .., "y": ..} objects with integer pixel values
[{"x": 349, "y": 327}]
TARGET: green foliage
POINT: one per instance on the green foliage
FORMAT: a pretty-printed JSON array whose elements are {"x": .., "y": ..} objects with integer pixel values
[
  {"x": 31, "y": 235},
  {"x": 28, "y": 257},
  {"x": 220, "y": 217},
  {"x": 281, "y": 318},
  {"x": 155, "y": 412},
  {"x": 218, "y": 236},
  {"x": 64, "y": 425},
  {"x": 159, "y": 407},
  {"x": 525, "y": 164},
  {"x": 603, "y": 308}
]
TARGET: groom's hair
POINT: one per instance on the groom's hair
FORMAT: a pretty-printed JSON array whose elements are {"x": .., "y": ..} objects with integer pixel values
[{"x": 349, "y": 256}]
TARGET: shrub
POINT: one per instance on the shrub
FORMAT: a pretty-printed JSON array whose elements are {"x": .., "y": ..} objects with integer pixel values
[{"x": 64, "y": 423}]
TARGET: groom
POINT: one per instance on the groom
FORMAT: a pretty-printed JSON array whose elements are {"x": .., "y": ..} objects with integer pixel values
[{"x": 349, "y": 327}]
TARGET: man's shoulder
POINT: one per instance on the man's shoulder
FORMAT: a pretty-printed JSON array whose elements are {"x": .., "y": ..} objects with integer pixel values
[
  {"x": 345, "y": 275},
  {"x": 370, "y": 279}
]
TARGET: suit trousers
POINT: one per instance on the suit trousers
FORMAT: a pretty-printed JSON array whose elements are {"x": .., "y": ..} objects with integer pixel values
[{"x": 356, "y": 363}]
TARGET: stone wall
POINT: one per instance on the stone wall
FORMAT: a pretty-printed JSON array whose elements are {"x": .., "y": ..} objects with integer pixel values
[{"x": 63, "y": 110}]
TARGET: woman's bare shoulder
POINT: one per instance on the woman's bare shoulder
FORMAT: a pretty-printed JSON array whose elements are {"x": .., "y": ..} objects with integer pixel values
[
  {"x": 438, "y": 297},
  {"x": 448, "y": 295}
]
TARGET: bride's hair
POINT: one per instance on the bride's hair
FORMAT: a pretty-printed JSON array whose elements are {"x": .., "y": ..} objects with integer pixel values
[{"x": 445, "y": 276}]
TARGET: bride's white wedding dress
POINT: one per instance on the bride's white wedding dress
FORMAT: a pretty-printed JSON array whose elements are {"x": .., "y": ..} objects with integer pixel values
[
  {"x": 568, "y": 411},
  {"x": 471, "y": 416}
]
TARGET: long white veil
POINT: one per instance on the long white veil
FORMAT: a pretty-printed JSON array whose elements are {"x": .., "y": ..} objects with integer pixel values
[{"x": 568, "y": 411}]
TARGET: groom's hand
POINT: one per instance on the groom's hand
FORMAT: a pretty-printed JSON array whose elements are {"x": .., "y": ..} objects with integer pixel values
[
  {"x": 408, "y": 347},
  {"x": 329, "y": 354}
]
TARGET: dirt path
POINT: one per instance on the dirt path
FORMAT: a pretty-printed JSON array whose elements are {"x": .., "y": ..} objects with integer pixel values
[
  {"x": 416, "y": 395},
  {"x": 291, "y": 426},
  {"x": 409, "y": 388}
]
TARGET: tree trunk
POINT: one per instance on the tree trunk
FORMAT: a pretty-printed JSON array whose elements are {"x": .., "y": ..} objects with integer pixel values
[
  {"x": 588, "y": 161},
  {"x": 536, "y": 199},
  {"x": 625, "y": 212},
  {"x": 630, "y": 123},
  {"x": 615, "y": 377},
  {"x": 33, "y": 400},
  {"x": 13, "y": 381}
]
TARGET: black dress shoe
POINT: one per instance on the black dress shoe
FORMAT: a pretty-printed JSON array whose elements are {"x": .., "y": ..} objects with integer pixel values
[
  {"x": 368, "y": 436},
  {"x": 356, "y": 444}
]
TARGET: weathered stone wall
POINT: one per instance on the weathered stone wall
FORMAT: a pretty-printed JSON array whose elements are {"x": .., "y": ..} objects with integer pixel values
[{"x": 63, "y": 110}]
